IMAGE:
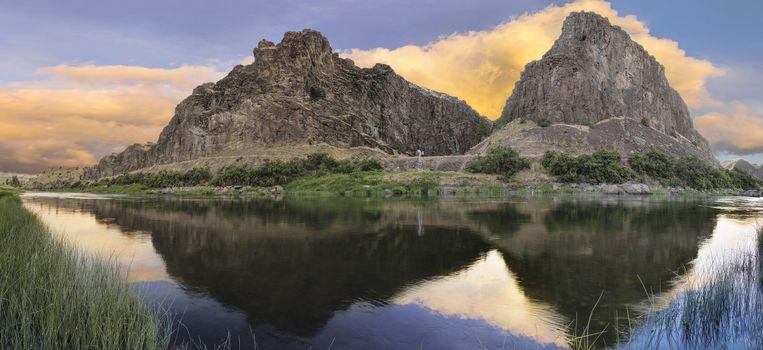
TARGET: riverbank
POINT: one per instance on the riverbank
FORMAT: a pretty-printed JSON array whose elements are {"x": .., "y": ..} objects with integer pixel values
[
  {"x": 412, "y": 184},
  {"x": 500, "y": 171},
  {"x": 54, "y": 297}
]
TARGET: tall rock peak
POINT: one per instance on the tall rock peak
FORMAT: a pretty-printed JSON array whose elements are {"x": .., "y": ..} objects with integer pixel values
[
  {"x": 595, "y": 72},
  {"x": 300, "y": 93},
  {"x": 596, "y": 75}
]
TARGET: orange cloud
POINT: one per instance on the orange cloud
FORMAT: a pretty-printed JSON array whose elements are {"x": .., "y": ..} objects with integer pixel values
[
  {"x": 481, "y": 67},
  {"x": 739, "y": 131},
  {"x": 86, "y": 112},
  {"x": 185, "y": 76}
]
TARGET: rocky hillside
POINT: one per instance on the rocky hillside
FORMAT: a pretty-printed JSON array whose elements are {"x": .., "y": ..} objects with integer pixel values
[
  {"x": 598, "y": 89},
  {"x": 299, "y": 92},
  {"x": 744, "y": 166}
]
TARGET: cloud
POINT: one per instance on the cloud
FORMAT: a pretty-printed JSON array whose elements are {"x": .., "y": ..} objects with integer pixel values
[
  {"x": 738, "y": 131},
  {"x": 182, "y": 76},
  {"x": 481, "y": 67},
  {"x": 78, "y": 114}
]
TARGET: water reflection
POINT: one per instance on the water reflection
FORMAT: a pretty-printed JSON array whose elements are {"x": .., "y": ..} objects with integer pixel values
[{"x": 351, "y": 273}]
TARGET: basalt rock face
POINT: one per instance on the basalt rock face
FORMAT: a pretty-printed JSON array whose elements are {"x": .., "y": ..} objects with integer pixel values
[
  {"x": 301, "y": 92},
  {"x": 595, "y": 72}
]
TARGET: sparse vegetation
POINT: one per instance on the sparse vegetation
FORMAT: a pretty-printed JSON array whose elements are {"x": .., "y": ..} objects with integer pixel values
[
  {"x": 645, "y": 122},
  {"x": 543, "y": 123},
  {"x": 500, "y": 160},
  {"x": 599, "y": 167}
]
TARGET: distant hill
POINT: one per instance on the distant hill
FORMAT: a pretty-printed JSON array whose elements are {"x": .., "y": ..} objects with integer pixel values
[{"x": 754, "y": 170}]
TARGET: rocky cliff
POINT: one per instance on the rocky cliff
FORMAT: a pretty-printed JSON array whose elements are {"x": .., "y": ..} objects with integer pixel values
[
  {"x": 300, "y": 92},
  {"x": 593, "y": 77}
]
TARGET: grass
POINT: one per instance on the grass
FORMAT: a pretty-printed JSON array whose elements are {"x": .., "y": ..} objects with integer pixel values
[
  {"x": 723, "y": 310},
  {"x": 54, "y": 297},
  {"x": 358, "y": 183},
  {"x": 108, "y": 189}
]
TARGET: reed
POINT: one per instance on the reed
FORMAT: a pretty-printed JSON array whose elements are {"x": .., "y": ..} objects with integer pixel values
[{"x": 54, "y": 297}]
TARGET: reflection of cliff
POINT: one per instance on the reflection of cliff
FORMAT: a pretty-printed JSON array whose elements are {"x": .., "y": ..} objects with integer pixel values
[
  {"x": 293, "y": 263},
  {"x": 294, "y": 280},
  {"x": 583, "y": 249}
]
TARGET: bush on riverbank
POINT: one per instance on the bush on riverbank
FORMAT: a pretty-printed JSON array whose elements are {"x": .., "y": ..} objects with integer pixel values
[
  {"x": 53, "y": 297},
  {"x": 599, "y": 167},
  {"x": 164, "y": 178},
  {"x": 279, "y": 172},
  {"x": 500, "y": 160},
  {"x": 270, "y": 173},
  {"x": 689, "y": 172}
]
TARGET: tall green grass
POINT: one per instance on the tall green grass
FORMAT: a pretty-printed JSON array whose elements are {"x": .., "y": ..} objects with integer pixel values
[{"x": 54, "y": 297}]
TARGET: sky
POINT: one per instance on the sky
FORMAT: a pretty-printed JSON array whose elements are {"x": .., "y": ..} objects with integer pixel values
[{"x": 82, "y": 79}]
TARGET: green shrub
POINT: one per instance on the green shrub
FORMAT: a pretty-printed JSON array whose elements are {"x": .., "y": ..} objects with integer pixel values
[
  {"x": 319, "y": 161},
  {"x": 743, "y": 180},
  {"x": 13, "y": 181},
  {"x": 600, "y": 166},
  {"x": 545, "y": 122},
  {"x": 233, "y": 175},
  {"x": 656, "y": 164},
  {"x": 164, "y": 178},
  {"x": 196, "y": 176},
  {"x": 277, "y": 172},
  {"x": 694, "y": 173},
  {"x": 368, "y": 164},
  {"x": 645, "y": 122},
  {"x": 689, "y": 171},
  {"x": 499, "y": 160},
  {"x": 484, "y": 128}
]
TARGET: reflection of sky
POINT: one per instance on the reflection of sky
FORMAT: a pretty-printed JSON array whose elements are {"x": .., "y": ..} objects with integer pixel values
[
  {"x": 489, "y": 291},
  {"x": 134, "y": 253}
]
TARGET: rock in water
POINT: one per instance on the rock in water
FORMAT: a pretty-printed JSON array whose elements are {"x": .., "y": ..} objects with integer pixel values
[
  {"x": 594, "y": 72},
  {"x": 300, "y": 92}
]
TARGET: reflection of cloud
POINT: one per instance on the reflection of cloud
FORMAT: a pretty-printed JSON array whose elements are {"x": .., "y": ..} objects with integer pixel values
[
  {"x": 88, "y": 111},
  {"x": 489, "y": 291},
  {"x": 739, "y": 131},
  {"x": 481, "y": 67}
]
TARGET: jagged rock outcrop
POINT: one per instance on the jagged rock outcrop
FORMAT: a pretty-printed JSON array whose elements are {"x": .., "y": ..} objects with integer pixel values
[
  {"x": 744, "y": 166},
  {"x": 300, "y": 92},
  {"x": 595, "y": 76}
]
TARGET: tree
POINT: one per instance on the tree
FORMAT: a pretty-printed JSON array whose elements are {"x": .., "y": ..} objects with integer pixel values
[{"x": 13, "y": 181}]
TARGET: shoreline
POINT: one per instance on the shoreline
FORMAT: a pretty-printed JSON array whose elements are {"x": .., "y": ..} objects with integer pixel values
[{"x": 425, "y": 183}]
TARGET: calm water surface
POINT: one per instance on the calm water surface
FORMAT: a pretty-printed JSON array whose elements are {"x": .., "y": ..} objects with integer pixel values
[{"x": 346, "y": 273}]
